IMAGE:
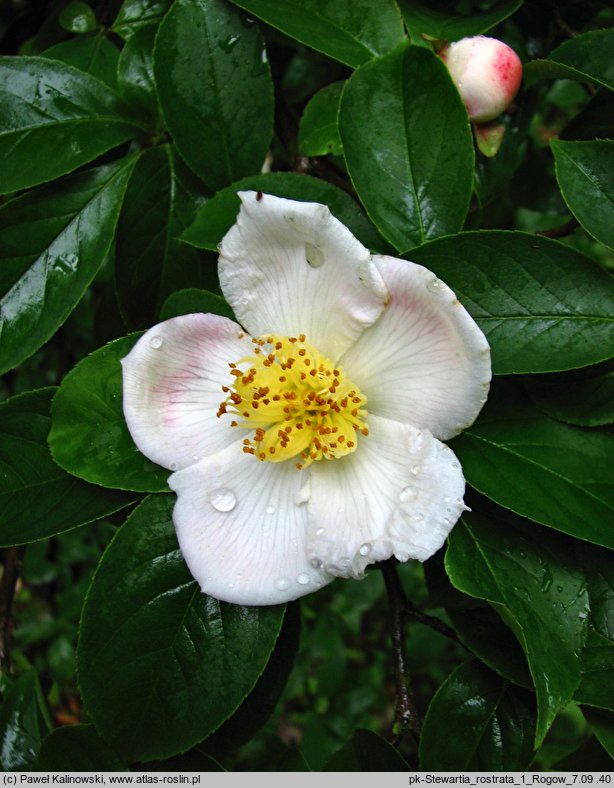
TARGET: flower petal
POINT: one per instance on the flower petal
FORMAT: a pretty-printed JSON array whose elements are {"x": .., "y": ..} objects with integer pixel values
[
  {"x": 172, "y": 381},
  {"x": 425, "y": 361},
  {"x": 291, "y": 268},
  {"x": 242, "y": 528},
  {"x": 398, "y": 494}
]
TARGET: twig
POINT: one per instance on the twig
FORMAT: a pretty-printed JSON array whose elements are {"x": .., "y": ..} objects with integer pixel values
[
  {"x": 405, "y": 715},
  {"x": 433, "y": 622},
  {"x": 561, "y": 230},
  {"x": 10, "y": 576}
]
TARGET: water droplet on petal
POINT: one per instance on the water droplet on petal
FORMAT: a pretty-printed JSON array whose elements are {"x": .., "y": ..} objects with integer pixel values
[
  {"x": 270, "y": 510},
  {"x": 415, "y": 469},
  {"x": 195, "y": 457},
  {"x": 455, "y": 465},
  {"x": 282, "y": 583},
  {"x": 156, "y": 343},
  {"x": 174, "y": 466},
  {"x": 418, "y": 517},
  {"x": 223, "y": 500},
  {"x": 320, "y": 531},
  {"x": 303, "y": 579},
  {"x": 365, "y": 549},
  {"x": 313, "y": 255},
  {"x": 408, "y": 494},
  {"x": 434, "y": 285}
]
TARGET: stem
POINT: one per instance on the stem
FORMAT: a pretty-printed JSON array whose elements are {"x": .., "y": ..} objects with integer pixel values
[
  {"x": 561, "y": 230},
  {"x": 10, "y": 576},
  {"x": 405, "y": 715}
]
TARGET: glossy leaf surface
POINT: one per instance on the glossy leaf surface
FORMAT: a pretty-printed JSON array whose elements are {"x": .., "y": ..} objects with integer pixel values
[
  {"x": 352, "y": 31},
  {"x": 584, "y": 397},
  {"x": 542, "y": 306},
  {"x": 187, "y": 660},
  {"x": 135, "y": 77},
  {"x": 539, "y": 594},
  {"x": 89, "y": 437},
  {"x": 77, "y": 17},
  {"x": 586, "y": 57},
  {"x": 77, "y": 748},
  {"x": 423, "y": 17},
  {"x": 160, "y": 202},
  {"x": 22, "y": 725},
  {"x": 550, "y": 472},
  {"x": 477, "y": 721},
  {"x": 597, "y": 681},
  {"x": 38, "y": 499},
  {"x": 217, "y": 215},
  {"x": 366, "y": 752},
  {"x": 215, "y": 89},
  {"x": 94, "y": 54},
  {"x": 136, "y": 14},
  {"x": 52, "y": 243},
  {"x": 55, "y": 119},
  {"x": 585, "y": 173},
  {"x": 408, "y": 147},
  {"x": 318, "y": 132}
]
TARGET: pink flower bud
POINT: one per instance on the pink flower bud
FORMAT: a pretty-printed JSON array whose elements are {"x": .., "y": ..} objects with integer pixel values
[{"x": 487, "y": 74}]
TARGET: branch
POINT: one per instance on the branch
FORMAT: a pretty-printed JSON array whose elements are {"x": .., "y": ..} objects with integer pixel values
[
  {"x": 10, "y": 576},
  {"x": 561, "y": 230},
  {"x": 405, "y": 715}
]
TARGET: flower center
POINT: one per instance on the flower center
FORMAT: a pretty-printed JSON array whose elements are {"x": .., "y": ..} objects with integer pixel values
[{"x": 296, "y": 400}]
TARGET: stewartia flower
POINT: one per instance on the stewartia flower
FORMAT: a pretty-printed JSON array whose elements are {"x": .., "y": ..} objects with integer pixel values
[
  {"x": 310, "y": 446},
  {"x": 487, "y": 74}
]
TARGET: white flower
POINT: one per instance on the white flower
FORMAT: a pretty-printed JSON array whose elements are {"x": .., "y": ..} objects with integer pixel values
[
  {"x": 309, "y": 447},
  {"x": 487, "y": 74}
]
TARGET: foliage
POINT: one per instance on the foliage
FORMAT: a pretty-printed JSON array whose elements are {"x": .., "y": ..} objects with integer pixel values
[{"x": 127, "y": 129}]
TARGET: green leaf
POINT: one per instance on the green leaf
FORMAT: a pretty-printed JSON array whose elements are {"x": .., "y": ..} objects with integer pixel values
[
  {"x": 585, "y": 173},
  {"x": 408, "y": 147},
  {"x": 93, "y": 54},
  {"x": 477, "y": 721},
  {"x": 136, "y": 14},
  {"x": 366, "y": 752},
  {"x": 586, "y": 57},
  {"x": 38, "y": 498},
  {"x": 52, "y": 243},
  {"x": 550, "y": 472},
  {"x": 150, "y": 263},
  {"x": 483, "y": 632},
  {"x": 595, "y": 120},
  {"x": 215, "y": 89},
  {"x": 422, "y": 18},
  {"x": 77, "y": 748},
  {"x": 602, "y": 723},
  {"x": 318, "y": 134},
  {"x": 135, "y": 75},
  {"x": 542, "y": 306},
  {"x": 89, "y": 437},
  {"x": 77, "y": 17},
  {"x": 538, "y": 593},
  {"x": 352, "y": 31},
  {"x": 55, "y": 119},
  {"x": 218, "y": 215},
  {"x": 185, "y": 302},
  {"x": 187, "y": 661},
  {"x": 261, "y": 701},
  {"x": 597, "y": 682},
  {"x": 22, "y": 724},
  {"x": 584, "y": 397}
]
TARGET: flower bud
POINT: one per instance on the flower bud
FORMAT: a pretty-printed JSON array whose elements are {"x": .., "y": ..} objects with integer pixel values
[{"x": 487, "y": 74}]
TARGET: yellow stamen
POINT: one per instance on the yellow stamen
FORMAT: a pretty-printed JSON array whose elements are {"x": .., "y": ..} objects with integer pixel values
[{"x": 313, "y": 416}]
